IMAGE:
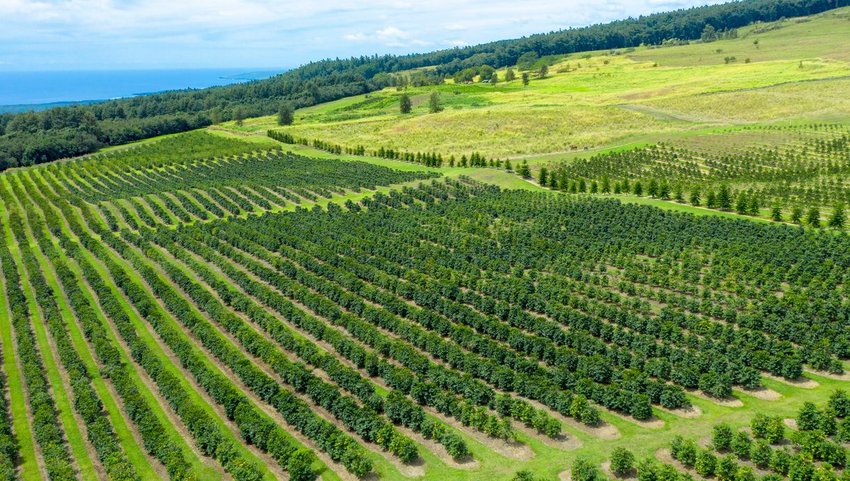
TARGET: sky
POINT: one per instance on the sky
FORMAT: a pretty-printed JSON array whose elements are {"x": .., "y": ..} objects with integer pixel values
[{"x": 166, "y": 34}]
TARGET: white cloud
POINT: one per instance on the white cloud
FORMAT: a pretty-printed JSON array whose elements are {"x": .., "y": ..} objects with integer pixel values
[
  {"x": 356, "y": 37},
  {"x": 390, "y": 36},
  {"x": 195, "y": 33}
]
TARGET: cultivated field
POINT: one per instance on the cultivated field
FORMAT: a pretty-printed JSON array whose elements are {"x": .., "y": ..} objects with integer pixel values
[
  {"x": 195, "y": 316},
  {"x": 373, "y": 295}
]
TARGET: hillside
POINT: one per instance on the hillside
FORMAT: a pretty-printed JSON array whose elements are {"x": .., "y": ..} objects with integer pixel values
[
  {"x": 787, "y": 81},
  {"x": 636, "y": 267}
]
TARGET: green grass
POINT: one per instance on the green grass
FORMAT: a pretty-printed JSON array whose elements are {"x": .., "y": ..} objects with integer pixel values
[
  {"x": 29, "y": 468},
  {"x": 798, "y": 71},
  {"x": 135, "y": 452},
  {"x": 62, "y": 399},
  {"x": 202, "y": 466}
]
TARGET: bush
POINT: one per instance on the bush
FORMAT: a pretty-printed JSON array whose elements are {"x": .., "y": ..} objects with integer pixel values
[
  {"x": 705, "y": 463},
  {"x": 622, "y": 462},
  {"x": 721, "y": 437},
  {"x": 584, "y": 470},
  {"x": 741, "y": 445},
  {"x": 808, "y": 418},
  {"x": 726, "y": 469}
]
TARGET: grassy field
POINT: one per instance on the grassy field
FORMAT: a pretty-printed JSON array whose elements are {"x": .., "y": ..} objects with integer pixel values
[{"x": 604, "y": 99}]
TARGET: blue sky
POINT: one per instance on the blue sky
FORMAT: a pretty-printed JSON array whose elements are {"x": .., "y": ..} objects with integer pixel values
[{"x": 129, "y": 34}]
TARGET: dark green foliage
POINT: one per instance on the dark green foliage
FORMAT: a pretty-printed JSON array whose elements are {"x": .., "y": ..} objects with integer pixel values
[
  {"x": 404, "y": 104},
  {"x": 45, "y": 423},
  {"x": 584, "y": 470},
  {"x": 434, "y": 104},
  {"x": 622, "y": 462},
  {"x": 837, "y": 218},
  {"x": 721, "y": 437},
  {"x": 761, "y": 454},
  {"x": 741, "y": 445},
  {"x": 839, "y": 401},
  {"x": 813, "y": 217},
  {"x": 797, "y": 215},
  {"x": 725, "y": 469},
  {"x": 706, "y": 463},
  {"x": 286, "y": 114},
  {"x": 523, "y": 170},
  {"x": 809, "y": 417}
]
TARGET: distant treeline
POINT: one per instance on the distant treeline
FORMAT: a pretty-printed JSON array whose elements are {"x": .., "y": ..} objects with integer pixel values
[{"x": 36, "y": 137}]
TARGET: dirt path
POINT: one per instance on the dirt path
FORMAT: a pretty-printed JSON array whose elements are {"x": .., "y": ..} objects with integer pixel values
[{"x": 802, "y": 382}]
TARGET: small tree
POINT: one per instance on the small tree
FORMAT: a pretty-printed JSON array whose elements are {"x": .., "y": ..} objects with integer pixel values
[
  {"x": 239, "y": 115},
  {"x": 695, "y": 200},
  {"x": 664, "y": 190},
  {"x": 839, "y": 401},
  {"x": 797, "y": 215},
  {"x": 741, "y": 445},
  {"x": 837, "y": 219},
  {"x": 726, "y": 468},
  {"x": 808, "y": 418},
  {"x": 813, "y": 217},
  {"x": 544, "y": 176},
  {"x": 755, "y": 206},
  {"x": 544, "y": 71},
  {"x": 741, "y": 204},
  {"x": 434, "y": 105},
  {"x": 721, "y": 437},
  {"x": 775, "y": 430},
  {"x": 622, "y": 462},
  {"x": 510, "y": 75},
  {"x": 299, "y": 465},
  {"x": 494, "y": 78},
  {"x": 525, "y": 78},
  {"x": 724, "y": 198},
  {"x": 523, "y": 170},
  {"x": 705, "y": 463},
  {"x": 709, "y": 34},
  {"x": 286, "y": 114},
  {"x": 776, "y": 213},
  {"x": 760, "y": 454},
  {"x": 652, "y": 190},
  {"x": 404, "y": 104},
  {"x": 584, "y": 470}
]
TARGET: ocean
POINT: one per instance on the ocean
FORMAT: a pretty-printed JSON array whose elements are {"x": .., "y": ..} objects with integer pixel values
[{"x": 38, "y": 90}]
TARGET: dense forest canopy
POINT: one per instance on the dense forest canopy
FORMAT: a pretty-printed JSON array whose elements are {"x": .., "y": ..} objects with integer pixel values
[{"x": 31, "y": 138}]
